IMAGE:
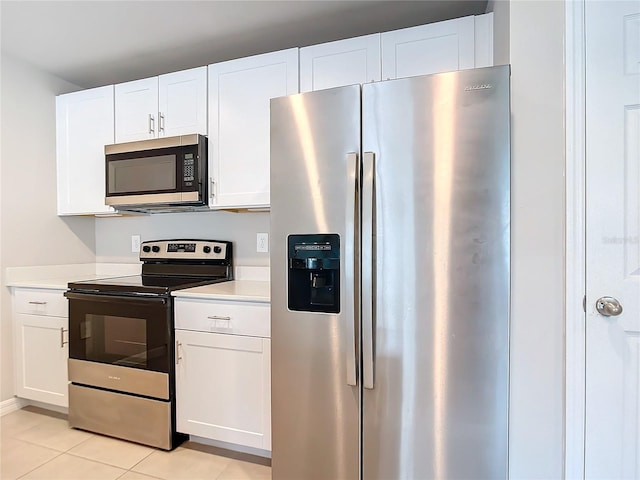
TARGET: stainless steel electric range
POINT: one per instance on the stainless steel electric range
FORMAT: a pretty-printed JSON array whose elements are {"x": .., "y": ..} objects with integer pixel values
[{"x": 122, "y": 346}]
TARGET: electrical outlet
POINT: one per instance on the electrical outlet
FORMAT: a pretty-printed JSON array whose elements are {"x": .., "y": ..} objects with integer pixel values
[
  {"x": 135, "y": 243},
  {"x": 262, "y": 242}
]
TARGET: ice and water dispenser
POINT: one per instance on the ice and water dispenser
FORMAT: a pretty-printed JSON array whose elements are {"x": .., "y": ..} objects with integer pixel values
[{"x": 314, "y": 273}]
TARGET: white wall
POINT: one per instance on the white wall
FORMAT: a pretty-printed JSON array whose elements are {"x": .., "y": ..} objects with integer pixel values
[
  {"x": 31, "y": 233},
  {"x": 500, "y": 9},
  {"x": 113, "y": 234},
  {"x": 537, "y": 321}
]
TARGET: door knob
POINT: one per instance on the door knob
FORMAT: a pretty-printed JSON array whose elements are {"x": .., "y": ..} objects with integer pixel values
[{"x": 608, "y": 307}]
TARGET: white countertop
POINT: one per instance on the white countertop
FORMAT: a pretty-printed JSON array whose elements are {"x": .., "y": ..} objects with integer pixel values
[
  {"x": 58, "y": 276},
  {"x": 252, "y": 284},
  {"x": 238, "y": 290}
]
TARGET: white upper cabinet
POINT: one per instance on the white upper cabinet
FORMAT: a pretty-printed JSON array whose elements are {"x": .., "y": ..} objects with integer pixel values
[
  {"x": 182, "y": 103},
  {"x": 136, "y": 110},
  {"x": 164, "y": 106},
  {"x": 84, "y": 125},
  {"x": 240, "y": 92},
  {"x": 433, "y": 48},
  {"x": 340, "y": 63}
]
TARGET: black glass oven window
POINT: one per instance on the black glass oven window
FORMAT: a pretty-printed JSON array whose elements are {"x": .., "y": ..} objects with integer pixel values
[
  {"x": 115, "y": 340},
  {"x": 124, "y": 331},
  {"x": 145, "y": 174}
]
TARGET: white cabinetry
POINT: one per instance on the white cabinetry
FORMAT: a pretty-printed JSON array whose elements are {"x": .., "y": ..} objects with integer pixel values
[
  {"x": 164, "y": 106},
  {"x": 240, "y": 92},
  {"x": 344, "y": 62},
  {"x": 40, "y": 322},
  {"x": 223, "y": 371},
  {"x": 437, "y": 47},
  {"x": 84, "y": 125}
]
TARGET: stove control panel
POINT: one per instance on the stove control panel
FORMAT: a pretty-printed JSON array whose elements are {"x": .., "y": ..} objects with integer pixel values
[{"x": 185, "y": 250}]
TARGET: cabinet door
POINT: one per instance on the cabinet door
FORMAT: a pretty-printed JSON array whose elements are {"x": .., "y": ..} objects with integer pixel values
[
  {"x": 223, "y": 388},
  {"x": 136, "y": 110},
  {"x": 84, "y": 125},
  {"x": 336, "y": 64},
  {"x": 240, "y": 92},
  {"x": 434, "y": 48},
  {"x": 41, "y": 353},
  {"x": 182, "y": 102}
]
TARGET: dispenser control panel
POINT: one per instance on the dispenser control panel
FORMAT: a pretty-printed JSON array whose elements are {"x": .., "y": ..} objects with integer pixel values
[{"x": 314, "y": 273}]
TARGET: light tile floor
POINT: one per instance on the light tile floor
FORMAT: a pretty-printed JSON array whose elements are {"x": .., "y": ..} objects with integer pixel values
[{"x": 37, "y": 444}]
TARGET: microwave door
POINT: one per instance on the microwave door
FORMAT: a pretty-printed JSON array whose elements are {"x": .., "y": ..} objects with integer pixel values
[{"x": 143, "y": 179}]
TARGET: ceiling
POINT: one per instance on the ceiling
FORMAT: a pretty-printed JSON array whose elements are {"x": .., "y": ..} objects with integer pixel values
[{"x": 91, "y": 43}]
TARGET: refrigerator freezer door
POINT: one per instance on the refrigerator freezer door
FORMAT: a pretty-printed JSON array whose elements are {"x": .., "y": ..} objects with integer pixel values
[
  {"x": 315, "y": 404},
  {"x": 438, "y": 406}
]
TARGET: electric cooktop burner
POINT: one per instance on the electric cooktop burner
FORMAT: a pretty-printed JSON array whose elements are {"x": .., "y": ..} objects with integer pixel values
[{"x": 169, "y": 265}]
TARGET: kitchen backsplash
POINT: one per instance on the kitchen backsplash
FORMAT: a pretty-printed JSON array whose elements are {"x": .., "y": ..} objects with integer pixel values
[{"x": 113, "y": 234}]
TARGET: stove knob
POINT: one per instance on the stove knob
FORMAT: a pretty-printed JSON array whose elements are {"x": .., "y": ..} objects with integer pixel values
[
  {"x": 217, "y": 249},
  {"x": 206, "y": 249},
  {"x": 146, "y": 249},
  {"x": 155, "y": 249}
]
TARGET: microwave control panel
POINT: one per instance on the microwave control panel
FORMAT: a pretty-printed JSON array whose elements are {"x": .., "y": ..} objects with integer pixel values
[{"x": 188, "y": 169}]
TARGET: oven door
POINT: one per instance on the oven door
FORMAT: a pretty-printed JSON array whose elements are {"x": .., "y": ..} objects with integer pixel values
[{"x": 126, "y": 331}]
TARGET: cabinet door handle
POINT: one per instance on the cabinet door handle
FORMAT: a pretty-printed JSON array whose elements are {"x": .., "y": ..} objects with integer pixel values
[
  {"x": 160, "y": 122},
  {"x": 62, "y": 342},
  {"x": 216, "y": 317},
  {"x": 37, "y": 303},
  {"x": 178, "y": 357},
  {"x": 152, "y": 122}
]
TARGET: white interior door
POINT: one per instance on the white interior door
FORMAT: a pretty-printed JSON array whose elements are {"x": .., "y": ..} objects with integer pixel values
[{"x": 612, "y": 432}]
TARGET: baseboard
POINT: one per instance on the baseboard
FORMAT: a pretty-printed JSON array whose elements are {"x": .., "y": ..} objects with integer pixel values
[
  {"x": 11, "y": 405},
  {"x": 259, "y": 456}
]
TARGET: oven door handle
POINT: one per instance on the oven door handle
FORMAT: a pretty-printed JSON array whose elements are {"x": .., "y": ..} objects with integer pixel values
[{"x": 89, "y": 297}]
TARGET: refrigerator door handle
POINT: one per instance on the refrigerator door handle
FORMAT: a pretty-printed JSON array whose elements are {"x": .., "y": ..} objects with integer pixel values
[
  {"x": 368, "y": 271},
  {"x": 350, "y": 267}
]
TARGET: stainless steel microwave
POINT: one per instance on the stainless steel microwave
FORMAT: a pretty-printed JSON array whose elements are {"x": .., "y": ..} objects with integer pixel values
[{"x": 160, "y": 175}]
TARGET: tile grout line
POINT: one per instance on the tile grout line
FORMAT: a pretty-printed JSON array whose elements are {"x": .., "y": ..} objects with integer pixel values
[
  {"x": 42, "y": 464},
  {"x": 140, "y": 461}
]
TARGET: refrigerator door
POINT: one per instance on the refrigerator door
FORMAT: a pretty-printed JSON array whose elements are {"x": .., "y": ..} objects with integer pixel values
[
  {"x": 435, "y": 312},
  {"x": 315, "y": 147}
]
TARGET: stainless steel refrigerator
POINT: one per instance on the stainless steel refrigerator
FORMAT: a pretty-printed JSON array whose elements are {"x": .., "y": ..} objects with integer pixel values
[{"x": 390, "y": 279}]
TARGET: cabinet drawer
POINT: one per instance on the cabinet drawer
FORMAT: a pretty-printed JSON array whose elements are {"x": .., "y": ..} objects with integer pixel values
[
  {"x": 35, "y": 301},
  {"x": 239, "y": 318}
]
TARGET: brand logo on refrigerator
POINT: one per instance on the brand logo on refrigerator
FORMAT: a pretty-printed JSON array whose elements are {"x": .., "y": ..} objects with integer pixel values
[{"x": 484, "y": 86}]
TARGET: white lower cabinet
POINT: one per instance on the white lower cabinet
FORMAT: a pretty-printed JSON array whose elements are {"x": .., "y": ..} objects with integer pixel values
[
  {"x": 41, "y": 345},
  {"x": 223, "y": 372}
]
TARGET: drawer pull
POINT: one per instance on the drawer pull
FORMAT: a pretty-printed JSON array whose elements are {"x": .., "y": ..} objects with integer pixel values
[
  {"x": 220, "y": 322},
  {"x": 37, "y": 303},
  {"x": 62, "y": 342}
]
